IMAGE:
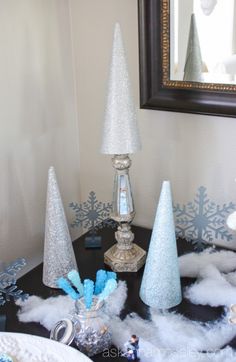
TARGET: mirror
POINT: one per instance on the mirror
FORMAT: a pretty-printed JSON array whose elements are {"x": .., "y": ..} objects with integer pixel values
[
  {"x": 188, "y": 62},
  {"x": 203, "y": 41}
]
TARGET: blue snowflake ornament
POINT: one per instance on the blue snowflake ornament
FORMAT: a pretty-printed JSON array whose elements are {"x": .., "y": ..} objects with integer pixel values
[
  {"x": 92, "y": 215},
  {"x": 202, "y": 220},
  {"x": 8, "y": 287}
]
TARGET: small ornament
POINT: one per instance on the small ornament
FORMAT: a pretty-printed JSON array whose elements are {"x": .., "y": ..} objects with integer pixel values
[
  {"x": 202, "y": 220},
  {"x": 92, "y": 215},
  {"x": 59, "y": 257},
  {"x": 160, "y": 287},
  {"x": 132, "y": 348}
]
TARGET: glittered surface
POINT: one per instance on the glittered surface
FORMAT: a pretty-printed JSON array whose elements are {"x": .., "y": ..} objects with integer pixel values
[
  {"x": 59, "y": 256},
  {"x": 160, "y": 287},
  {"x": 193, "y": 64},
  {"x": 120, "y": 133},
  {"x": 92, "y": 331}
]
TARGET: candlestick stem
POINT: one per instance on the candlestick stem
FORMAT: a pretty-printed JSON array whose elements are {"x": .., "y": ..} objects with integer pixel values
[{"x": 125, "y": 256}]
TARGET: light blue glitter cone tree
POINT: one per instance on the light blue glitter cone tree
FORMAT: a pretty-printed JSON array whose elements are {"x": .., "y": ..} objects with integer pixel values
[{"x": 160, "y": 287}]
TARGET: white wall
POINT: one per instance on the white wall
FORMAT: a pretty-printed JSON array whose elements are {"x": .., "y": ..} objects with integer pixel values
[
  {"x": 38, "y": 120},
  {"x": 39, "y": 70},
  {"x": 190, "y": 150}
]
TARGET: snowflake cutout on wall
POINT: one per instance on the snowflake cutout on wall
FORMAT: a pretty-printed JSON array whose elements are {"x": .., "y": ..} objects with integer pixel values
[
  {"x": 8, "y": 287},
  {"x": 92, "y": 215},
  {"x": 202, "y": 220}
]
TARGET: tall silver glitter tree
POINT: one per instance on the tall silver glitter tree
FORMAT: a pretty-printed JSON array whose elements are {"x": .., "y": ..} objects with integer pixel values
[
  {"x": 121, "y": 138},
  {"x": 59, "y": 256}
]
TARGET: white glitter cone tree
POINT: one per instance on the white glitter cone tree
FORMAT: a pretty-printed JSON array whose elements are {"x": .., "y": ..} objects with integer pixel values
[
  {"x": 59, "y": 256},
  {"x": 120, "y": 132},
  {"x": 160, "y": 287}
]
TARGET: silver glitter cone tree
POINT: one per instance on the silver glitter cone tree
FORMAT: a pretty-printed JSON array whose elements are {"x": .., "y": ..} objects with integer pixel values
[
  {"x": 121, "y": 137},
  {"x": 59, "y": 256},
  {"x": 193, "y": 64},
  {"x": 160, "y": 287},
  {"x": 120, "y": 132}
]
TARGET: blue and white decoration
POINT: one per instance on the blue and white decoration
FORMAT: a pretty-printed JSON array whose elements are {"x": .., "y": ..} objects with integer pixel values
[
  {"x": 167, "y": 336},
  {"x": 202, "y": 220},
  {"x": 92, "y": 215},
  {"x": 104, "y": 285},
  {"x": 160, "y": 287},
  {"x": 8, "y": 287}
]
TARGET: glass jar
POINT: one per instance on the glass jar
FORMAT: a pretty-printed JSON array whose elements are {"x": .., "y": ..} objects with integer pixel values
[{"x": 86, "y": 328}]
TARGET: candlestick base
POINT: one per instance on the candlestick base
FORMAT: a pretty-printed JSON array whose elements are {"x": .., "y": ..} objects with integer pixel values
[
  {"x": 125, "y": 256},
  {"x": 125, "y": 260}
]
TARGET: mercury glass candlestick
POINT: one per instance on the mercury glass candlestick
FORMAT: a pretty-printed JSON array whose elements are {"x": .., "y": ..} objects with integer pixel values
[
  {"x": 125, "y": 256},
  {"x": 120, "y": 138}
]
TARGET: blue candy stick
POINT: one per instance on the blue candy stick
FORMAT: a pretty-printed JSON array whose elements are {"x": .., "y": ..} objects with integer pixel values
[
  {"x": 74, "y": 277},
  {"x": 110, "y": 286},
  {"x": 111, "y": 275},
  {"x": 101, "y": 278},
  {"x": 88, "y": 292},
  {"x": 65, "y": 285}
]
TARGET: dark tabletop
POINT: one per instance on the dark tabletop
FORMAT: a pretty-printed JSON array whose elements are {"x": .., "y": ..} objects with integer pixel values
[{"x": 89, "y": 261}]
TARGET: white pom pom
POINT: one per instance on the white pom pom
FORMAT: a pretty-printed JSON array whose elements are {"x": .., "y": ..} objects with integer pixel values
[{"x": 231, "y": 221}]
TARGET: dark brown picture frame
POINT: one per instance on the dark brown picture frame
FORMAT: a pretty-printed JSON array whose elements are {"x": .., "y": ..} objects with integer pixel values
[{"x": 157, "y": 91}]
